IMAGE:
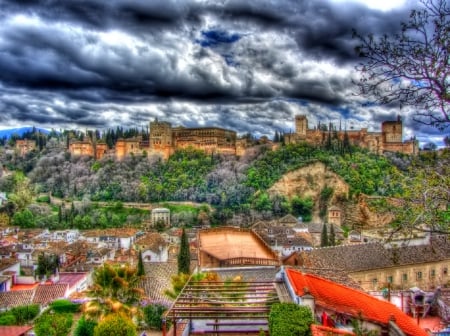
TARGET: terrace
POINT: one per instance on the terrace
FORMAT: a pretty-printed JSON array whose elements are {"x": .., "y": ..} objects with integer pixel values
[{"x": 224, "y": 307}]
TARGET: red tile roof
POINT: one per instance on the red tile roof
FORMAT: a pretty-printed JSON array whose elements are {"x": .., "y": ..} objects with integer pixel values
[
  {"x": 340, "y": 298},
  {"x": 47, "y": 293},
  {"x": 14, "y": 330}
]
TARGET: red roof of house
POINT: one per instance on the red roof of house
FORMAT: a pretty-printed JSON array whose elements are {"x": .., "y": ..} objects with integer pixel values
[
  {"x": 346, "y": 300},
  {"x": 14, "y": 330}
]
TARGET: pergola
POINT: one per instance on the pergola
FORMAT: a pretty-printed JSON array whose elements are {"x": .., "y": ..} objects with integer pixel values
[{"x": 223, "y": 307}]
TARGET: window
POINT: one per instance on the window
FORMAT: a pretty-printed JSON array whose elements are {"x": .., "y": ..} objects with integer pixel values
[
  {"x": 444, "y": 271},
  {"x": 405, "y": 277},
  {"x": 419, "y": 275},
  {"x": 432, "y": 273},
  {"x": 389, "y": 279}
]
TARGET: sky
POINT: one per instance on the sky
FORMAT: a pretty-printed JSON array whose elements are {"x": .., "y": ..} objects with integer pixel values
[{"x": 249, "y": 66}]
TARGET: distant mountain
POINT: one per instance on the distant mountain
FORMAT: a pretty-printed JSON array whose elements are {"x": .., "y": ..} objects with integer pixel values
[{"x": 20, "y": 131}]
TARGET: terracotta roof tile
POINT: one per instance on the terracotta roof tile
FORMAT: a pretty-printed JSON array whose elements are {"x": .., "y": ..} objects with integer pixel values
[
  {"x": 334, "y": 296},
  {"x": 14, "y": 330},
  {"x": 47, "y": 293},
  {"x": 367, "y": 256},
  {"x": 16, "y": 298}
]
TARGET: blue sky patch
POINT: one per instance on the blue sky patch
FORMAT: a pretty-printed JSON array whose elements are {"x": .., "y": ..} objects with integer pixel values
[{"x": 212, "y": 38}]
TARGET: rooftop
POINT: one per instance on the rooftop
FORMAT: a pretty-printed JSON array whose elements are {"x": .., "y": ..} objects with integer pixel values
[
  {"x": 226, "y": 243},
  {"x": 336, "y": 297},
  {"x": 366, "y": 256}
]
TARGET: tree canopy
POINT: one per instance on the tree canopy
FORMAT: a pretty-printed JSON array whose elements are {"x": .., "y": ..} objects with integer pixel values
[{"x": 411, "y": 67}]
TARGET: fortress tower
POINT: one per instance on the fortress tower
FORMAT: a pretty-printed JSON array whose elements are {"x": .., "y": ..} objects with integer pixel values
[
  {"x": 392, "y": 131},
  {"x": 301, "y": 126}
]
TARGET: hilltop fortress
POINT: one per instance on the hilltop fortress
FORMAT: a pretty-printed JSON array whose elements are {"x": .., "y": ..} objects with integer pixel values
[
  {"x": 164, "y": 140},
  {"x": 390, "y": 139}
]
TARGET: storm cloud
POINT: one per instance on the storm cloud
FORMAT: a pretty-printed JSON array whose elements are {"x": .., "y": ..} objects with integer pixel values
[{"x": 245, "y": 65}]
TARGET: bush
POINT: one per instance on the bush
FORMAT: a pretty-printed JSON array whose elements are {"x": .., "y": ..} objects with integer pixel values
[
  {"x": 153, "y": 315},
  {"x": 24, "y": 314},
  {"x": 19, "y": 315},
  {"x": 85, "y": 327},
  {"x": 53, "y": 324},
  {"x": 7, "y": 319},
  {"x": 290, "y": 319},
  {"x": 115, "y": 325},
  {"x": 65, "y": 306}
]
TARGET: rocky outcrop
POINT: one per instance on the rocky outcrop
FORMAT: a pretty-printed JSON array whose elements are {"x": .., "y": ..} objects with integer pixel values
[{"x": 309, "y": 181}]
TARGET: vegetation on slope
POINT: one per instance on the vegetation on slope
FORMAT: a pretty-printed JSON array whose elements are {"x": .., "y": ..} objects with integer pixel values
[{"x": 229, "y": 184}]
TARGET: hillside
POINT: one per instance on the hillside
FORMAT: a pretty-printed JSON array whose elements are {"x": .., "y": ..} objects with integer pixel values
[{"x": 263, "y": 184}]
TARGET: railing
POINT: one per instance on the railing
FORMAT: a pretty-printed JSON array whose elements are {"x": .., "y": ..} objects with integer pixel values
[{"x": 249, "y": 261}]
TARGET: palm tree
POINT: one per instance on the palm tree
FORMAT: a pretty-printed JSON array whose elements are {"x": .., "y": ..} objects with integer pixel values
[{"x": 115, "y": 290}]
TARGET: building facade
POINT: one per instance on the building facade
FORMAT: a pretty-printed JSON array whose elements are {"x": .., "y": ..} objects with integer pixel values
[
  {"x": 164, "y": 140},
  {"x": 390, "y": 139}
]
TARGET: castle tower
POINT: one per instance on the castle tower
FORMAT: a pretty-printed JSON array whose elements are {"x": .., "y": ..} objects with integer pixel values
[
  {"x": 392, "y": 131},
  {"x": 160, "y": 136},
  {"x": 301, "y": 126}
]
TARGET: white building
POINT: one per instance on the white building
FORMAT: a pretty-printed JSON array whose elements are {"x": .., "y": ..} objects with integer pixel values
[{"x": 161, "y": 214}]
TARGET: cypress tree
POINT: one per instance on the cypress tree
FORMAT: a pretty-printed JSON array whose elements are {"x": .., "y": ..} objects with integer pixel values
[
  {"x": 324, "y": 236},
  {"x": 184, "y": 256},
  {"x": 140, "y": 266},
  {"x": 332, "y": 240}
]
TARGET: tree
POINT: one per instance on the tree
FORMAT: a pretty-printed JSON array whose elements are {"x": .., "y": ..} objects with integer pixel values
[
  {"x": 178, "y": 281},
  {"x": 115, "y": 325},
  {"x": 153, "y": 315},
  {"x": 332, "y": 238},
  {"x": 324, "y": 236},
  {"x": 425, "y": 202},
  {"x": 85, "y": 327},
  {"x": 411, "y": 68},
  {"x": 140, "y": 266},
  {"x": 115, "y": 290},
  {"x": 48, "y": 264},
  {"x": 184, "y": 256}
]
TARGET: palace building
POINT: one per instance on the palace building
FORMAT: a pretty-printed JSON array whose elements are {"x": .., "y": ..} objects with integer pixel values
[
  {"x": 390, "y": 139},
  {"x": 164, "y": 140}
]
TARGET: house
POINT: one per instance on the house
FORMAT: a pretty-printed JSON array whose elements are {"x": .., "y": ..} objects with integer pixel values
[
  {"x": 23, "y": 252},
  {"x": 374, "y": 265},
  {"x": 337, "y": 305},
  {"x": 100, "y": 255},
  {"x": 160, "y": 215},
  {"x": 315, "y": 230},
  {"x": 229, "y": 246},
  {"x": 10, "y": 268},
  {"x": 153, "y": 247},
  {"x": 285, "y": 240},
  {"x": 122, "y": 238}
]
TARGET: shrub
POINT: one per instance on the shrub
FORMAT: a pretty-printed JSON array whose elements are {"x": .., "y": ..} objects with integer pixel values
[
  {"x": 115, "y": 325},
  {"x": 7, "y": 319},
  {"x": 64, "y": 306},
  {"x": 85, "y": 327},
  {"x": 53, "y": 324},
  {"x": 25, "y": 313},
  {"x": 153, "y": 315},
  {"x": 289, "y": 319}
]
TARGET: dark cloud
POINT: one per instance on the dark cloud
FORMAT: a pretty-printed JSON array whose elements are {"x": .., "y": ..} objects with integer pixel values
[{"x": 247, "y": 65}]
